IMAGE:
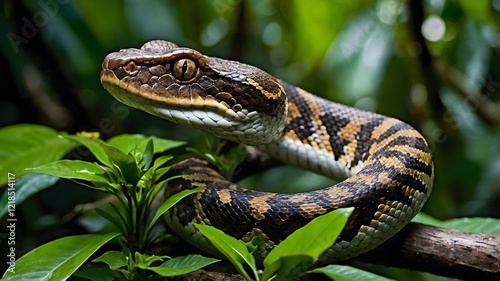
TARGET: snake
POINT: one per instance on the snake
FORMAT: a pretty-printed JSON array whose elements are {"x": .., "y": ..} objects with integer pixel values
[{"x": 384, "y": 166}]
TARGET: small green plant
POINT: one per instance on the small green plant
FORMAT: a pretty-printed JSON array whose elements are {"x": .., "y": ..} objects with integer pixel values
[
  {"x": 225, "y": 161},
  {"x": 128, "y": 171},
  {"x": 294, "y": 255}
]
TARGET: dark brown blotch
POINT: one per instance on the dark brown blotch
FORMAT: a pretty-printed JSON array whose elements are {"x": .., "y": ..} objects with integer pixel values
[
  {"x": 166, "y": 80},
  {"x": 144, "y": 75},
  {"x": 158, "y": 70}
]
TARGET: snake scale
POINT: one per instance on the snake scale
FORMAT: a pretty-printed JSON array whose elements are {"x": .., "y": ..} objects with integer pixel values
[{"x": 386, "y": 165}]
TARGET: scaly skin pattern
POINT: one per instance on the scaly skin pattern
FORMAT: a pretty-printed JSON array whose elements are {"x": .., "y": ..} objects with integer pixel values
[{"x": 386, "y": 165}]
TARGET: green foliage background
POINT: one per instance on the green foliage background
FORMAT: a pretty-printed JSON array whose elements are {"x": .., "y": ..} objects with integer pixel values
[{"x": 361, "y": 53}]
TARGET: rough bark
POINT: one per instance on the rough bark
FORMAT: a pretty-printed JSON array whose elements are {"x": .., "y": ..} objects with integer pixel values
[{"x": 446, "y": 252}]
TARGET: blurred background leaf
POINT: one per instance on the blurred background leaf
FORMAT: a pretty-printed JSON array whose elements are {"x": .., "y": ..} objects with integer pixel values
[{"x": 433, "y": 64}]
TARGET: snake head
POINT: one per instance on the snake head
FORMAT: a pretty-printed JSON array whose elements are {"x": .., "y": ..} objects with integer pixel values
[{"x": 226, "y": 98}]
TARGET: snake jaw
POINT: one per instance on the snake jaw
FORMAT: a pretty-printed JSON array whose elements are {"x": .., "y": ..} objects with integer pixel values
[{"x": 249, "y": 125}]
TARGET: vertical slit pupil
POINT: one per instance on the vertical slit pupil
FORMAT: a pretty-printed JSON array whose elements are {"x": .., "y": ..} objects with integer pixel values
[{"x": 184, "y": 68}]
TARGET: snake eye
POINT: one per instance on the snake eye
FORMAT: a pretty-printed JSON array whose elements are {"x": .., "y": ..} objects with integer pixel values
[{"x": 184, "y": 69}]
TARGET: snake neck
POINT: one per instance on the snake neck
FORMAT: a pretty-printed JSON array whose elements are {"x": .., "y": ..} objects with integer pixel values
[{"x": 338, "y": 141}]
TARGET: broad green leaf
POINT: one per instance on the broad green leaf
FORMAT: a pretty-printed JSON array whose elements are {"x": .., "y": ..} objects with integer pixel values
[
  {"x": 162, "y": 145},
  {"x": 233, "y": 249},
  {"x": 28, "y": 145},
  {"x": 347, "y": 273},
  {"x": 58, "y": 259},
  {"x": 25, "y": 187},
  {"x": 171, "y": 201},
  {"x": 291, "y": 267},
  {"x": 114, "y": 259},
  {"x": 96, "y": 147},
  {"x": 478, "y": 225},
  {"x": 73, "y": 169},
  {"x": 306, "y": 243},
  {"x": 182, "y": 265},
  {"x": 127, "y": 143}
]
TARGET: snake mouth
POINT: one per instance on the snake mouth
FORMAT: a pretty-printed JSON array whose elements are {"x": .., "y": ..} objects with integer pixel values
[
  {"x": 169, "y": 104},
  {"x": 204, "y": 113}
]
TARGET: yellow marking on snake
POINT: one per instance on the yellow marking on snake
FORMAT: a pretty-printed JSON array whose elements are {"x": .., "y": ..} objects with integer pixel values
[
  {"x": 225, "y": 196},
  {"x": 311, "y": 210},
  {"x": 269, "y": 95},
  {"x": 260, "y": 206}
]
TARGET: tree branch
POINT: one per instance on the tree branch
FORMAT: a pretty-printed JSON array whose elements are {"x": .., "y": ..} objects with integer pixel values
[{"x": 441, "y": 251}]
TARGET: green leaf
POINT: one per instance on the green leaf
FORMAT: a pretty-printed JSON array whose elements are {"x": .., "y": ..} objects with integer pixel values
[
  {"x": 161, "y": 172},
  {"x": 144, "y": 261},
  {"x": 233, "y": 249},
  {"x": 162, "y": 145},
  {"x": 125, "y": 163},
  {"x": 158, "y": 170},
  {"x": 96, "y": 147},
  {"x": 171, "y": 201},
  {"x": 29, "y": 145},
  {"x": 58, "y": 259},
  {"x": 304, "y": 246},
  {"x": 148, "y": 155},
  {"x": 478, "y": 225},
  {"x": 161, "y": 160},
  {"x": 347, "y": 273},
  {"x": 182, "y": 265},
  {"x": 25, "y": 187},
  {"x": 114, "y": 259},
  {"x": 127, "y": 143},
  {"x": 426, "y": 219},
  {"x": 95, "y": 274},
  {"x": 114, "y": 217},
  {"x": 73, "y": 169}
]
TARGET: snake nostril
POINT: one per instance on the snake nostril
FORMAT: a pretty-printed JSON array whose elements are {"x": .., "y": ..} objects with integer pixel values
[{"x": 131, "y": 68}]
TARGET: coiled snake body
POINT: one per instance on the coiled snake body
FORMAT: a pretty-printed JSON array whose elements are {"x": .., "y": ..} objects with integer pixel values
[{"x": 386, "y": 164}]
